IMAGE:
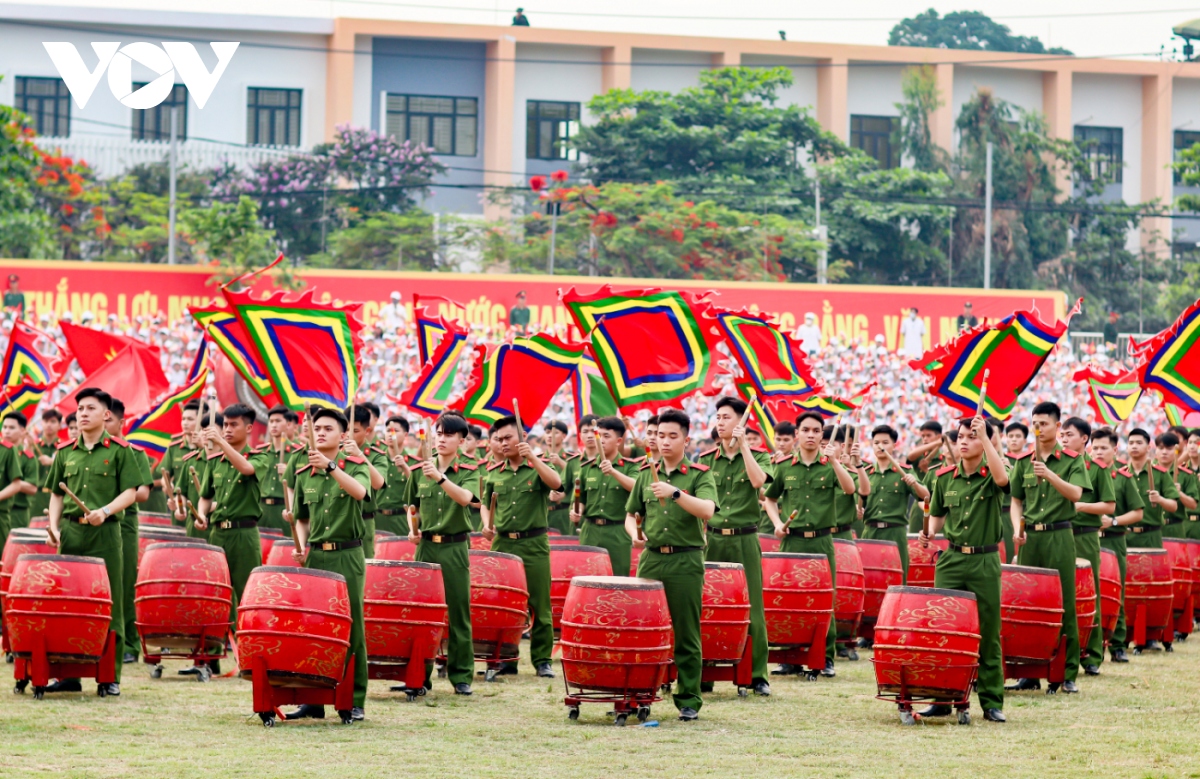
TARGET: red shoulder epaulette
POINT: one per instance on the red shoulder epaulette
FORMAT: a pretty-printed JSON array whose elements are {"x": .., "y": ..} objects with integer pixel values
[
  {"x": 905, "y": 465},
  {"x": 303, "y": 468},
  {"x": 781, "y": 457},
  {"x": 497, "y": 464},
  {"x": 760, "y": 449},
  {"x": 355, "y": 460},
  {"x": 700, "y": 467},
  {"x": 6, "y": 444},
  {"x": 947, "y": 469},
  {"x": 467, "y": 466},
  {"x": 1020, "y": 456},
  {"x": 63, "y": 445},
  {"x": 1070, "y": 453},
  {"x": 707, "y": 453},
  {"x": 1161, "y": 468},
  {"x": 136, "y": 448},
  {"x": 636, "y": 459},
  {"x": 573, "y": 456},
  {"x": 1186, "y": 470},
  {"x": 1124, "y": 472},
  {"x": 119, "y": 441},
  {"x": 191, "y": 454},
  {"x": 645, "y": 465},
  {"x": 214, "y": 455}
]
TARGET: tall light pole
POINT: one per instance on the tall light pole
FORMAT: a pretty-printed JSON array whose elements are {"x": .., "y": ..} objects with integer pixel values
[
  {"x": 987, "y": 221},
  {"x": 173, "y": 163}
]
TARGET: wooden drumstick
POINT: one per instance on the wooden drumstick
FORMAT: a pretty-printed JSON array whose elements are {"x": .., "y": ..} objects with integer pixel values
[
  {"x": 492, "y": 513},
  {"x": 982, "y": 392},
  {"x": 599, "y": 447},
  {"x": 791, "y": 516},
  {"x": 520, "y": 427},
  {"x": 745, "y": 418},
  {"x": 637, "y": 521},
  {"x": 654, "y": 475},
  {"x": 62, "y": 485}
]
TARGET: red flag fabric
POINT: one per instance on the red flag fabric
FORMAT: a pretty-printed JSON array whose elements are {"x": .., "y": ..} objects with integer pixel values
[
  {"x": 123, "y": 377},
  {"x": 528, "y": 371},
  {"x": 26, "y": 362},
  {"x": 93, "y": 349},
  {"x": 1170, "y": 361}
]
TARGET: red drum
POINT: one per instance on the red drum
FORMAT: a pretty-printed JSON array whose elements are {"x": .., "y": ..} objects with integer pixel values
[
  {"x": 850, "y": 594},
  {"x": 635, "y": 554},
  {"x": 562, "y": 540},
  {"x": 553, "y": 531},
  {"x": 479, "y": 541},
  {"x": 1193, "y": 546},
  {"x": 298, "y": 621},
  {"x": 395, "y": 549},
  {"x": 768, "y": 542},
  {"x": 19, "y": 542},
  {"x": 1031, "y": 614},
  {"x": 1149, "y": 594},
  {"x": 1085, "y": 601},
  {"x": 616, "y": 636},
  {"x": 881, "y": 569},
  {"x": 724, "y": 613},
  {"x": 926, "y": 645},
  {"x": 382, "y": 534},
  {"x": 158, "y": 534},
  {"x": 404, "y": 609},
  {"x": 62, "y": 599},
  {"x": 922, "y": 560},
  {"x": 154, "y": 519},
  {"x": 1110, "y": 591},
  {"x": 182, "y": 597},
  {"x": 266, "y": 539},
  {"x": 499, "y": 604},
  {"x": 40, "y": 523},
  {"x": 567, "y": 562},
  {"x": 798, "y": 604},
  {"x": 1178, "y": 552},
  {"x": 281, "y": 552}
]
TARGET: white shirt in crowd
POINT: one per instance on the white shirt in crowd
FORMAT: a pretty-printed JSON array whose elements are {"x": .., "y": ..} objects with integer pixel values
[
  {"x": 392, "y": 316},
  {"x": 809, "y": 336},
  {"x": 912, "y": 331}
]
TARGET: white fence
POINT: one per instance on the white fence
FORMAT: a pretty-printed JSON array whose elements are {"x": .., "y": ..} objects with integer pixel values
[{"x": 113, "y": 156}]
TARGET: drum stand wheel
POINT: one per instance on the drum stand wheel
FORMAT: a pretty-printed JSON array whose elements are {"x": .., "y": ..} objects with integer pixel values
[
  {"x": 811, "y": 675},
  {"x": 156, "y": 671},
  {"x": 1052, "y": 688},
  {"x": 39, "y": 693},
  {"x": 268, "y": 719},
  {"x": 204, "y": 674},
  {"x": 489, "y": 675},
  {"x": 743, "y": 692},
  {"x": 619, "y": 720},
  {"x": 573, "y": 713},
  {"x": 964, "y": 717},
  {"x": 643, "y": 713},
  {"x": 907, "y": 717},
  {"x": 19, "y": 687},
  {"x": 345, "y": 717}
]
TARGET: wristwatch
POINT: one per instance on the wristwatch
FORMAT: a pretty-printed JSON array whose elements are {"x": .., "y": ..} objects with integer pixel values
[
  {"x": 676, "y": 495},
  {"x": 106, "y": 511},
  {"x": 331, "y": 467},
  {"x": 441, "y": 480}
]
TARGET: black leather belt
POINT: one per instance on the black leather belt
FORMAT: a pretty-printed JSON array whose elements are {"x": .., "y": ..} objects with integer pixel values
[
  {"x": 272, "y": 501},
  {"x": 1172, "y": 522},
  {"x": 1045, "y": 527},
  {"x": 985, "y": 549},
  {"x": 601, "y": 521},
  {"x": 444, "y": 538},
  {"x": 368, "y": 515},
  {"x": 674, "y": 549},
  {"x": 733, "y": 531},
  {"x": 884, "y": 525},
  {"x": 517, "y": 535},
  {"x": 840, "y": 529},
  {"x": 235, "y": 524},
  {"x": 1112, "y": 532},
  {"x": 109, "y": 518},
  {"x": 392, "y": 512},
  {"x": 337, "y": 546},
  {"x": 1083, "y": 531},
  {"x": 825, "y": 531}
]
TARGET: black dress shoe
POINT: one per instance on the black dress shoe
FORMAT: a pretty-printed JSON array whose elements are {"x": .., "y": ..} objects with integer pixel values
[
  {"x": 761, "y": 687},
  {"x": 851, "y": 654},
  {"x": 110, "y": 690},
  {"x": 865, "y": 643},
  {"x": 1069, "y": 687},
  {"x": 545, "y": 671},
  {"x": 828, "y": 669},
  {"x": 994, "y": 715},
  {"x": 936, "y": 710},
  {"x": 65, "y": 685},
  {"x": 215, "y": 667},
  {"x": 1118, "y": 655},
  {"x": 1137, "y": 650},
  {"x": 129, "y": 657},
  {"x": 1168, "y": 647},
  {"x": 1025, "y": 684},
  {"x": 357, "y": 714},
  {"x": 1151, "y": 645},
  {"x": 843, "y": 652},
  {"x": 688, "y": 714},
  {"x": 508, "y": 669},
  {"x": 462, "y": 688},
  {"x": 191, "y": 670},
  {"x": 784, "y": 669},
  {"x": 1091, "y": 670},
  {"x": 306, "y": 711}
]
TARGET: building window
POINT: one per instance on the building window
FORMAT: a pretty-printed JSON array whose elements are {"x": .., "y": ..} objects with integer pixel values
[
  {"x": 272, "y": 117},
  {"x": 48, "y": 104},
  {"x": 448, "y": 125},
  {"x": 1184, "y": 139},
  {"x": 873, "y": 134},
  {"x": 154, "y": 124},
  {"x": 1102, "y": 148},
  {"x": 549, "y": 128}
]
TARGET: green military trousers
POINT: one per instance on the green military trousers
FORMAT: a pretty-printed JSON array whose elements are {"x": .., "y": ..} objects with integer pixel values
[
  {"x": 612, "y": 538},
  {"x": 1176, "y": 529},
  {"x": 980, "y": 575},
  {"x": 746, "y": 550},
  {"x": 682, "y": 577},
  {"x": 156, "y": 503},
  {"x": 1151, "y": 539},
  {"x": 1087, "y": 546},
  {"x": 18, "y": 518},
  {"x": 369, "y": 538},
  {"x": 393, "y": 521},
  {"x": 351, "y": 564},
  {"x": 272, "y": 517},
  {"x": 1056, "y": 549},
  {"x": 129, "y": 571},
  {"x": 535, "y": 555},
  {"x": 104, "y": 542},
  {"x": 1006, "y": 536},
  {"x": 1193, "y": 527},
  {"x": 898, "y": 534},
  {"x": 560, "y": 520},
  {"x": 5, "y": 529},
  {"x": 243, "y": 553},
  {"x": 456, "y": 579},
  {"x": 1116, "y": 542},
  {"x": 822, "y": 545}
]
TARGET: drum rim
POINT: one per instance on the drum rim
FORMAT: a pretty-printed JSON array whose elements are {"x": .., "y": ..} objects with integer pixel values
[
  {"x": 852, "y": 541},
  {"x": 1112, "y": 552},
  {"x": 1144, "y": 550},
  {"x": 581, "y": 548},
  {"x": 872, "y": 541},
  {"x": 403, "y": 564},
  {"x": 150, "y": 534},
  {"x": 203, "y": 545},
  {"x": 386, "y": 534},
  {"x": 616, "y": 583},
  {"x": 938, "y": 537},
  {"x": 68, "y": 558},
  {"x": 27, "y": 540},
  {"x": 797, "y": 555},
  {"x": 282, "y": 541},
  {"x": 392, "y": 539},
  {"x": 718, "y": 565},
  {"x": 1028, "y": 569},
  {"x": 490, "y": 553},
  {"x": 914, "y": 590},
  {"x": 293, "y": 569},
  {"x": 1082, "y": 562},
  {"x": 163, "y": 514}
]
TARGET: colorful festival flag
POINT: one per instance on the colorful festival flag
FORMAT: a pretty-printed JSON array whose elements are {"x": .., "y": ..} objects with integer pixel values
[
  {"x": 1170, "y": 361},
  {"x": 528, "y": 370},
  {"x": 590, "y": 391},
  {"x": 309, "y": 349},
  {"x": 95, "y": 349},
  {"x": 227, "y": 332},
  {"x": 1013, "y": 350},
  {"x": 431, "y": 392},
  {"x": 21, "y": 399},
  {"x": 199, "y": 362},
  {"x": 1111, "y": 394},
  {"x": 153, "y": 430},
  {"x": 769, "y": 359},
  {"x": 762, "y": 412},
  {"x": 829, "y": 406},
  {"x": 26, "y": 364},
  {"x": 431, "y": 325},
  {"x": 653, "y": 346},
  {"x": 1174, "y": 414}
]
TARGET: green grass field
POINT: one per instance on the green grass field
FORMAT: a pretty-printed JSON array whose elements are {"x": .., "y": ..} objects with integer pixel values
[{"x": 1136, "y": 720}]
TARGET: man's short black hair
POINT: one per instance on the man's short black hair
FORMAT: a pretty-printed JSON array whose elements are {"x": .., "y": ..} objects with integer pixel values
[
  {"x": 1168, "y": 440},
  {"x": 653, "y": 420},
  {"x": 399, "y": 421},
  {"x": 990, "y": 427},
  {"x": 452, "y": 424},
  {"x": 292, "y": 417},
  {"x": 587, "y": 419},
  {"x": 242, "y": 412},
  {"x": 558, "y": 425},
  {"x": 931, "y": 426},
  {"x": 1048, "y": 408},
  {"x": 362, "y": 415},
  {"x": 952, "y": 433},
  {"x": 785, "y": 428},
  {"x": 475, "y": 431},
  {"x": 330, "y": 413},
  {"x": 376, "y": 412},
  {"x": 1139, "y": 432},
  {"x": 1106, "y": 434},
  {"x": 278, "y": 411},
  {"x": 101, "y": 397},
  {"x": 117, "y": 407},
  {"x": 192, "y": 405},
  {"x": 71, "y": 417},
  {"x": 502, "y": 423},
  {"x": 886, "y": 430},
  {"x": 51, "y": 413},
  {"x": 820, "y": 420},
  {"x": 676, "y": 416},
  {"x": 736, "y": 404},
  {"x": 1017, "y": 426},
  {"x": 1194, "y": 432},
  {"x": 17, "y": 417},
  {"x": 210, "y": 418},
  {"x": 611, "y": 423},
  {"x": 1080, "y": 425}
]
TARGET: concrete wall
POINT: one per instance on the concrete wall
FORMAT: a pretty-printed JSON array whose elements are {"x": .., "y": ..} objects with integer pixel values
[
  {"x": 1185, "y": 115},
  {"x": 669, "y": 71},
  {"x": 1114, "y": 101},
  {"x": 550, "y": 73},
  {"x": 874, "y": 90},
  {"x": 803, "y": 91}
]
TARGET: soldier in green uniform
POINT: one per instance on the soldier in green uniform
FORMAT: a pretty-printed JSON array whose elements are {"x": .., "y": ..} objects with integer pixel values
[
  {"x": 1016, "y": 443},
  {"x": 11, "y": 473},
  {"x": 891, "y": 487},
  {"x": 356, "y": 445},
  {"x": 1192, "y": 460},
  {"x": 965, "y": 506},
  {"x": 104, "y": 474},
  {"x": 804, "y": 490},
  {"x": 391, "y": 505},
  {"x": 1098, "y": 502},
  {"x": 1186, "y": 486},
  {"x": 600, "y": 492},
  {"x": 271, "y": 491},
  {"x": 739, "y": 471},
  {"x": 129, "y": 531},
  {"x": 14, "y": 432},
  {"x": 556, "y": 454},
  {"x": 330, "y": 489},
  {"x": 39, "y": 504},
  {"x": 1156, "y": 489},
  {"x": 1127, "y": 511},
  {"x": 170, "y": 467},
  {"x": 672, "y": 539},
  {"x": 1045, "y": 491},
  {"x": 522, "y": 485},
  {"x": 926, "y": 458},
  {"x": 845, "y": 507},
  {"x": 588, "y": 450},
  {"x": 441, "y": 492}
]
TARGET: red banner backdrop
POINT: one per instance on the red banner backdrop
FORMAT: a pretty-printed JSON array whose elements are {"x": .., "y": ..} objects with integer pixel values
[{"x": 843, "y": 310}]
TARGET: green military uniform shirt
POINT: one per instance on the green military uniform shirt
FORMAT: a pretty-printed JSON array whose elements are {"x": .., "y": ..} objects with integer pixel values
[
  {"x": 15, "y": 300},
  {"x": 1125, "y": 490},
  {"x": 380, "y": 461},
  {"x": 888, "y": 501},
  {"x": 670, "y": 525},
  {"x": 809, "y": 489},
  {"x": 1102, "y": 491},
  {"x": 1188, "y": 485},
  {"x": 129, "y": 517},
  {"x": 10, "y": 471},
  {"x": 270, "y": 481},
  {"x": 96, "y": 477},
  {"x": 522, "y": 498},
  {"x": 29, "y": 473},
  {"x": 1041, "y": 504},
  {"x": 602, "y": 497},
  {"x": 439, "y": 513},
  {"x": 39, "y": 504},
  {"x": 737, "y": 497},
  {"x": 1153, "y": 516},
  {"x": 235, "y": 496},
  {"x": 970, "y": 504},
  {"x": 333, "y": 516},
  {"x": 393, "y": 496}
]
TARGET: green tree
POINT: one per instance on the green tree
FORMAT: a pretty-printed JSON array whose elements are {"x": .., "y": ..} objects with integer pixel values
[
  {"x": 922, "y": 99},
  {"x": 410, "y": 241},
  {"x": 964, "y": 30},
  {"x": 25, "y": 230},
  {"x": 231, "y": 237}
]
